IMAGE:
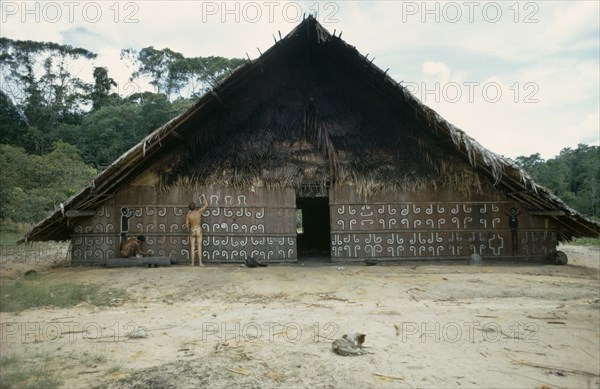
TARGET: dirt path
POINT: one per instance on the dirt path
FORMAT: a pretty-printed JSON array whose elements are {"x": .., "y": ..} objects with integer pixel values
[{"x": 427, "y": 325}]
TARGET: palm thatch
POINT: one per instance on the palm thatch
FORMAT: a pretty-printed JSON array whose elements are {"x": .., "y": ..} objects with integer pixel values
[{"x": 312, "y": 112}]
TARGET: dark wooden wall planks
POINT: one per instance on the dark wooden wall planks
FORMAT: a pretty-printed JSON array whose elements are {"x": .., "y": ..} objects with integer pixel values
[{"x": 261, "y": 223}]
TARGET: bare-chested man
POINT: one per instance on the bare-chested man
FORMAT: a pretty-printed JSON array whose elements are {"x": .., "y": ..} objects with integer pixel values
[
  {"x": 133, "y": 247},
  {"x": 193, "y": 221}
]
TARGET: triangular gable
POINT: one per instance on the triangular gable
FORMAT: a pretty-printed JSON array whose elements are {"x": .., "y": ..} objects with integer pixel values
[{"x": 500, "y": 172}]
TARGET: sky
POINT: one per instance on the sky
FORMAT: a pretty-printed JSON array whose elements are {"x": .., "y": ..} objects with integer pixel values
[{"x": 521, "y": 77}]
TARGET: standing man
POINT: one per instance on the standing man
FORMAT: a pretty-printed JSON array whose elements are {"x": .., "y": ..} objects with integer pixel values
[
  {"x": 193, "y": 221},
  {"x": 513, "y": 225}
]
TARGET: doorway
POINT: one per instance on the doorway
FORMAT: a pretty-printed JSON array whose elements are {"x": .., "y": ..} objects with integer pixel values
[{"x": 312, "y": 227}]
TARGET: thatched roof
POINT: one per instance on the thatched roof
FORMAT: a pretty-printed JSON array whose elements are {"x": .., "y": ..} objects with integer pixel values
[{"x": 313, "y": 111}]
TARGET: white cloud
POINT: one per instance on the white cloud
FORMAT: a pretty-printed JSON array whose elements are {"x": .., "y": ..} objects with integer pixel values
[
  {"x": 437, "y": 71},
  {"x": 570, "y": 23},
  {"x": 515, "y": 119}
]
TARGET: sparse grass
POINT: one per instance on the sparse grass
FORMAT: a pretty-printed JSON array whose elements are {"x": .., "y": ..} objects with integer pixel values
[
  {"x": 144, "y": 378},
  {"x": 23, "y": 294},
  {"x": 168, "y": 299},
  {"x": 595, "y": 242},
  {"x": 42, "y": 370},
  {"x": 17, "y": 373},
  {"x": 10, "y": 232},
  {"x": 7, "y": 237},
  {"x": 92, "y": 359}
]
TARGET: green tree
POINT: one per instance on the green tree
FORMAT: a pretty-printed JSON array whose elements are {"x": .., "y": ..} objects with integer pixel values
[
  {"x": 31, "y": 186},
  {"x": 102, "y": 86},
  {"x": 176, "y": 76},
  {"x": 197, "y": 75},
  {"x": 109, "y": 132},
  {"x": 531, "y": 163},
  {"x": 12, "y": 126},
  {"x": 573, "y": 175},
  {"x": 13, "y": 175},
  {"x": 154, "y": 64},
  {"x": 36, "y": 76}
]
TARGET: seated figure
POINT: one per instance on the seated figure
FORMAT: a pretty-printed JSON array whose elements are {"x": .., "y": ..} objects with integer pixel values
[{"x": 133, "y": 247}]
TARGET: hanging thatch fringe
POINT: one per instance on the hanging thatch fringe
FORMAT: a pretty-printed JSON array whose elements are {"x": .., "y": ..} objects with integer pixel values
[{"x": 315, "y": 131}]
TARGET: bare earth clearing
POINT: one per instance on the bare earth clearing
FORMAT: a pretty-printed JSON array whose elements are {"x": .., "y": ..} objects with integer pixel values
[{"x": 427, "y": 325}]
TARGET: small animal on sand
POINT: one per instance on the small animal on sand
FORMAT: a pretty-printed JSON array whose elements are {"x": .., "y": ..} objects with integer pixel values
[
  {"x": 349, "y": 344},
  {"x": 251, "y": 262}
]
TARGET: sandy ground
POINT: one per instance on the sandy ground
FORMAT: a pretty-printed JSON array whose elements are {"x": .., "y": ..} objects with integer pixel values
[{"x": 427, "y": 325}]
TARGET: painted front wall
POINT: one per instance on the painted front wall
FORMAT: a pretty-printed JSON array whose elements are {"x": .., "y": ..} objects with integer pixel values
[
  {"x": 261, "y": 223},
  {"x": 237, "y": 224},
  {"x": 432, "y": 226}
]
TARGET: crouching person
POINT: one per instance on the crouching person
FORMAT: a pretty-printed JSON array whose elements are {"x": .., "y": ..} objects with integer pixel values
[{"x": 133, "y": 247}]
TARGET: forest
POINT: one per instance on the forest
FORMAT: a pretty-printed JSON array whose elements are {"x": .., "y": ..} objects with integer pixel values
[{"x": 59, "y": 126}]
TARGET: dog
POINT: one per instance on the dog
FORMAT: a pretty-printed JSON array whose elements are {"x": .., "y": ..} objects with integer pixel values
[
  {"x": 349, "y": 344},
  {"x": 251, "y": 262}
]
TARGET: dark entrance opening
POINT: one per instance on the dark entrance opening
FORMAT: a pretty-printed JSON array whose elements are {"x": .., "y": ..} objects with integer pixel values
[{"x": 312, "y": 225}]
